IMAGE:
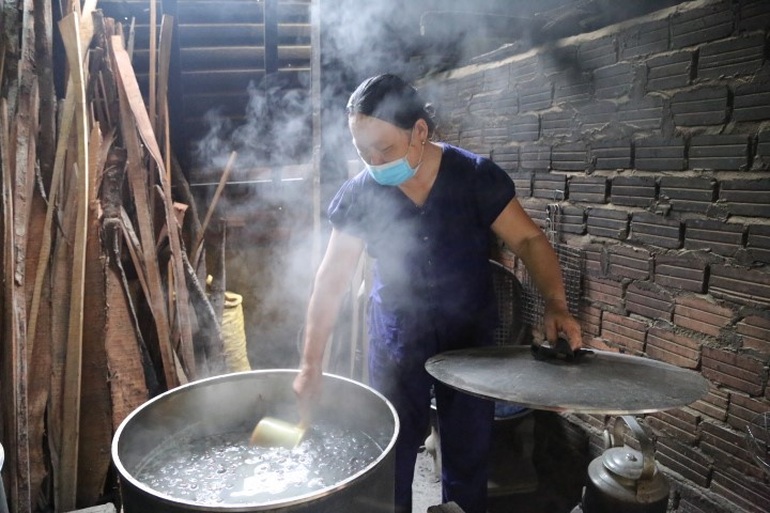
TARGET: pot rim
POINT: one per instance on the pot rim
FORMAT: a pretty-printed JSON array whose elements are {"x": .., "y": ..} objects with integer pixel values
[{"x": 249, "y": 506}]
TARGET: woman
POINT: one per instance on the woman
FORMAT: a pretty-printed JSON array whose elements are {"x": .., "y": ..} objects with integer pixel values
[{"x": 426, "y": 213}]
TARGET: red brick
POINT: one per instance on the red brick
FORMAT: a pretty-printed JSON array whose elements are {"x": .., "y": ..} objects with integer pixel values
[
  {"x": 735, "y": 371},
  {"x": 714, "y": 236},
  {"x": 649, "y": 301},
  {"x": 644, "y": 115},
  {"x": 590, "y": 319},
  {"x": 742, "y": 55},
  {"x": 569, "y": 157},
  {"x": 752, "y": 101},
  {"x": 660, "y": 154},
  {"x": 745, "y": 197},
  {"x": 687, "y": 461},
  {"x": 595, "y": 53},
  {"x": 693, "y": 500},
  {"x": 591, "y": 189},
  {"x": 702, "y": 106},
  {"x": 743, "y": 410},
  {"x": 559, "y": 123},
  {"x": 684, "y": 272},
  {"x": 696, "y": 26},
  {"x": 755, "y": 334},
  {"x": 689, "y": 194},
  {"x": 573, "y": 220},
  {"x": 680, "y": 424},
  {"x": 714, "y": 405},
  {"x": 595, "y": 116},
  {"x": 624, "y": 332},
  {"x": 592, "y": 260},
  {"x": 668, "y": 346},
  {"x": 758, "y": 242},
  {"x": 701, "y": 315},
  {"x": 629, "y": 262},
  {"x": 750, "y": 494},
  {"x": 669, "y": 71},
  {"x": 535, "y": 95},
  {"x": 633, "y": 191},
  {"x": 753, "y": 15},
  {"x": 549, "y": 186},
  {"x": 611, "y": 154},
  {"x": 614, "y": 81},
  {"x": 525, "y": 127},
  {"x": 606, "y": 222},
  {"x": 646, "y": 38},
  {"x": 657, "y": 230},
  {"x": 727, "y": 447},
  {"x": 604, "y": 291},
  {"x": 742, "y": 285}
]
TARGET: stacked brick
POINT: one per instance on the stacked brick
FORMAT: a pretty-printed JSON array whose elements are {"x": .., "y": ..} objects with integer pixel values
[{"x": 655, "y": 139}]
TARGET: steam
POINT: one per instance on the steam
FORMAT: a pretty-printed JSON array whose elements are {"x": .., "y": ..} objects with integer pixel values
[
  {"x": 276, "y": 130},
  {"x": 274, "y": 143}
]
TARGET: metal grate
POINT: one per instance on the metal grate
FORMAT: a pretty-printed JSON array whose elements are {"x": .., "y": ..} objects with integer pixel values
[
  {"x": 509, "y": 294},
  {"x": 571, "y": 261}
]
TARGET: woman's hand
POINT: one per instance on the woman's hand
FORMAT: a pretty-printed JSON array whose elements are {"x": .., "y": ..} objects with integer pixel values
[
  {"x": 557, "y": 321},
  {"x": 307, "y": 387}
]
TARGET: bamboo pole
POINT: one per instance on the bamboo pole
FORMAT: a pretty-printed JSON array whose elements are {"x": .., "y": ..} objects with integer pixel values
[
  {"x": 70, "y": 31},
  {"x": 198, "y": 246}
]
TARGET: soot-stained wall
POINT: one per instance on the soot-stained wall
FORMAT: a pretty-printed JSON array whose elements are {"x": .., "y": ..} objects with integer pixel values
[{"x": 657, "y": 131}]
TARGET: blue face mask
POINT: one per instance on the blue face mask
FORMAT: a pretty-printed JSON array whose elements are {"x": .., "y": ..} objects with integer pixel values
[
  {"x": 392, "y": 173},
  {"x": 395, "y": 172}
]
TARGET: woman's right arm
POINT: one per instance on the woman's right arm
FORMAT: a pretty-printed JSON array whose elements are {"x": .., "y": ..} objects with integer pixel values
[{"x": 332, "y": 281}]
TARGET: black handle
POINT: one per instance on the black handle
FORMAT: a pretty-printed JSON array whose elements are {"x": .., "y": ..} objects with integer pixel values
[{"x": 561, "y": 350}]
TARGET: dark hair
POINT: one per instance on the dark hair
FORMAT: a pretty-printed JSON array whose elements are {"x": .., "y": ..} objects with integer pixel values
[{"x": 389, "y": 98}]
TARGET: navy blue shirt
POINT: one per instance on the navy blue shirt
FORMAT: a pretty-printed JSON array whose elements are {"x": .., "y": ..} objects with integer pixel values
[{"x": 431, "y": 270}]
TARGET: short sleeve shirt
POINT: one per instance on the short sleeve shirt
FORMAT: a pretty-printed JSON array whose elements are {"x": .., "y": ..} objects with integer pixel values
[{"x": 431, "y": 269}]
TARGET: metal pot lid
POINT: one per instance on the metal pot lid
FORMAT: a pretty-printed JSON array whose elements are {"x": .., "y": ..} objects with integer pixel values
[
  {"x": 624, "y": 462},
  {"x": 600, "y": 382}
]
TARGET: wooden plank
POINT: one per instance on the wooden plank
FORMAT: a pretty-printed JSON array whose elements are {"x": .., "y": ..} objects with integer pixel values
[
  {"x": 164, "y": 63},
  {"x": 22, "y": 170},
  {"x": 137, "y": 179},
  {"x": 131, "y": 371},
  {"x": 14, "y": 362},
  {"x": 43, "y": 11},
  {"x": 69, "y": 27},
  {"x": 61, "y": 270},
  {"x": 153, "y": 61},
  {"x": 127, "y": 80},
  {"x": 96, "y": 420},
  {"x": 38, "y": 367}
]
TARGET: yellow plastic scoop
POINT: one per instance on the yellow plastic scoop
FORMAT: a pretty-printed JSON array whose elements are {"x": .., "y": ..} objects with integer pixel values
[{"x": 272, "y": 432}]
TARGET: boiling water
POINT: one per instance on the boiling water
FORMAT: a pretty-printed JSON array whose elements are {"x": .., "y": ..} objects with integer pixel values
[{"x": 224, "y": 469}]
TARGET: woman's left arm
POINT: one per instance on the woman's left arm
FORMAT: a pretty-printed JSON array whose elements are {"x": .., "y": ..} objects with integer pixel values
[{"x": 528, "y": 242}]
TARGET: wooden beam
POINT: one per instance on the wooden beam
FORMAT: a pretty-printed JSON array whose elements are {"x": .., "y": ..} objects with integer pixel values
[{"x": 70, "y": 31}]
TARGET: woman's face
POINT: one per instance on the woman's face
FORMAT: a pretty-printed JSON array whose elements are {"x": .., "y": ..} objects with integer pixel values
[{"x": 379, "y": 142}]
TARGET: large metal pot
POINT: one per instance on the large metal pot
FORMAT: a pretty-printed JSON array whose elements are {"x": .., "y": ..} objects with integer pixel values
[{"x": 237, "y": 401}]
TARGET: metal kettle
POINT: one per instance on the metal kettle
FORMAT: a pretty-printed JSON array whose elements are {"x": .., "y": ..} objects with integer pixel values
[{"x": 624, "y": 480}]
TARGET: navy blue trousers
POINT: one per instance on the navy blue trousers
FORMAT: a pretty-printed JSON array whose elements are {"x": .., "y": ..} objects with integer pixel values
[{"x": 464, "y": 423}]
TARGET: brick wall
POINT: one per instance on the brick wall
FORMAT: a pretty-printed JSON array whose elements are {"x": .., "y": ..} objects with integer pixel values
[{"x": 658, "y": 133}]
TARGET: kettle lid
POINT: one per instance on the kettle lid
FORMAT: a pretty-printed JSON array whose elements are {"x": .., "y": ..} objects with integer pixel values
[{"x": 624, "y": 462}]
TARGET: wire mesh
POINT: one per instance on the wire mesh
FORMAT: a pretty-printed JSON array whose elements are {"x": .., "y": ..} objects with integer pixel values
[{"x": 571, "y": 262}]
